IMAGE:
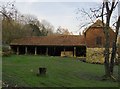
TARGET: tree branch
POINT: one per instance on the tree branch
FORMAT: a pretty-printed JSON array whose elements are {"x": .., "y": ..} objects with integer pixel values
[
  {"x": 5, "y": 15},
  {"x": 107, "y": 6},
  {"x": 118, "y": 24},
  {"x": 102, "y": 16},
  {"x": 113, "y": 3},
  {"x": 113, "y": 6},
  {"x": 86, "y": 13}
]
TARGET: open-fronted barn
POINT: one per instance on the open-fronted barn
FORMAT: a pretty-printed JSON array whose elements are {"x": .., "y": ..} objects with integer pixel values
[
  {"x": 89, "y": 44},
  {"x": 56, "y": 45}
]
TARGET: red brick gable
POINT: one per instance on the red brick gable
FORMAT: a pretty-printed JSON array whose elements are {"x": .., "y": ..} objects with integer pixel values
[{"x": 94, "y": 31}]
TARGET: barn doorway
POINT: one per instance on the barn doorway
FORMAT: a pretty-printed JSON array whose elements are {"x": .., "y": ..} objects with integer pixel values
[{"x": 81, "y": 51}]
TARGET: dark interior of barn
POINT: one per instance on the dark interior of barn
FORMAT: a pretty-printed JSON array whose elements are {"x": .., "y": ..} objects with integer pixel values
[{"x": 50, "y": 50}]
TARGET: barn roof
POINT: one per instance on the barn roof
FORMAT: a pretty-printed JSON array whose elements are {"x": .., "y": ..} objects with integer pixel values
[
  {"x": 53, "y": 40},
  {"x": 98, "y": 23}
]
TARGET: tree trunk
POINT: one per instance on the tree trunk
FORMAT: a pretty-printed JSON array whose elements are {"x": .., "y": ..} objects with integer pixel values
[
  {"x": 113, "y": 55},
  {"x": 114, "y": 48},
  {"x": 106, "y": 63},
  {"x": 107, "y": 46}
]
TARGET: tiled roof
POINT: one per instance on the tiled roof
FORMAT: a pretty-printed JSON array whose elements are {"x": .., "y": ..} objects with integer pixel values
[
  {"x": 53, "y": 40},
  {"x": 98, "y": 23}
]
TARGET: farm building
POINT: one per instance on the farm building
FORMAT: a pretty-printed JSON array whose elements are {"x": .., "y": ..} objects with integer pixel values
[
  {"x": 60, "y": 45},
  {"x": 94, "y": 35},
  {"x": 92, "y": 41},
  {"x": 95, "y": 42}
]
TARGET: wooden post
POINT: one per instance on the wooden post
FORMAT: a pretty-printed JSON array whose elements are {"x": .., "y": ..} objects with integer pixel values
[
  {"x": 18, "y": 50},
  {"x": 47, "y": 51},
  {"x": 35, "y": 50},
  {"x": 26, "y": 51},
  {"x": 54, "y": 51},
  {"x": 74, "y": 51},
  {"x": 64, "y": 51}
]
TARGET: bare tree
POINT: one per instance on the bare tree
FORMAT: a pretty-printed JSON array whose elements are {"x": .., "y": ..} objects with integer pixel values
[
  {"x": 63, "y": 31},
  {"x": 105, "y": 12},
  {"x": 47, "y": 27},
  {"x": 108, "y": 9},
  {"x": 9, "y": 11}
]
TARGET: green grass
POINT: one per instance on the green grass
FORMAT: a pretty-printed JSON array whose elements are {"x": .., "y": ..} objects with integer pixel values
[{"x": 67, "y": 72}]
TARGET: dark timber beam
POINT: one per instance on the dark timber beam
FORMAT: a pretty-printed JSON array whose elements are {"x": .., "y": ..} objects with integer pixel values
[
  {"x": 26, "y": 50},
  {"x": 74, "y": 51},
  {"x": 47, "y": 51},
  {"x": 54, "y": 51},
  {"x": 64, "y": 51},
  {"x": 35, "y": 50},
  {"x": 18, "y": 50}
]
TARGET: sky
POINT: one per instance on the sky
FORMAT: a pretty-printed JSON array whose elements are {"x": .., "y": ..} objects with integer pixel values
[
  {"x": 52, "y": 0},
  {"x": 57, "y": 12}
]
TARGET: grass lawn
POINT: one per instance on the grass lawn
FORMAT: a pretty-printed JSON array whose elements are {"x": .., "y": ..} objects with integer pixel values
[{"x": 61, "y": 72}]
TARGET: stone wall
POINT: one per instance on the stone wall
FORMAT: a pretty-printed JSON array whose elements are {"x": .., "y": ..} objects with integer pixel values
[{"x": 95, "y": 55}]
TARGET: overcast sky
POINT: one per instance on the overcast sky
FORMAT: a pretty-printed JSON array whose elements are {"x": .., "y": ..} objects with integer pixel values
[
  {"x": 57, "y": 12},
  {"x": 52, "y": 0}
]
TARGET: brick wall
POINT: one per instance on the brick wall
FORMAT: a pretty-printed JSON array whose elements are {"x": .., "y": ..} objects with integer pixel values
[{"x": 91, "y": 35}]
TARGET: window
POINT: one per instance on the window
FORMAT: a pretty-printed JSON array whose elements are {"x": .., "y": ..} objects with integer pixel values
[{"x": 98, "y": 40}]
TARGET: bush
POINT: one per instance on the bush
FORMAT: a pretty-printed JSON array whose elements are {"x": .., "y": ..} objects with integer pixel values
[{"x": 6, "y": 51}]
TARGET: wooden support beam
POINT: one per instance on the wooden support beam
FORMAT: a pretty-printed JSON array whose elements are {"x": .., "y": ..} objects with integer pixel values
[
  {"x": 35, "y": 50},
  {"x": 64, "y": 51},
  {"x": 54, "y": 51},
  {"x": 26, "y": 50},
  {"x": 18, "y": 50},
  {"x": 74, "y": 51},
  {"x": 47, "y": 51}
]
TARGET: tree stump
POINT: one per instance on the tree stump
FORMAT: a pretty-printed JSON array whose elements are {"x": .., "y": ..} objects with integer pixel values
[{"x": 42, "y": 71}]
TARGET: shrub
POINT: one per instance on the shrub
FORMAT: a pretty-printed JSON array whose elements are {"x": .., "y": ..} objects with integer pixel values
[{"x": 6, "y": 51}]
